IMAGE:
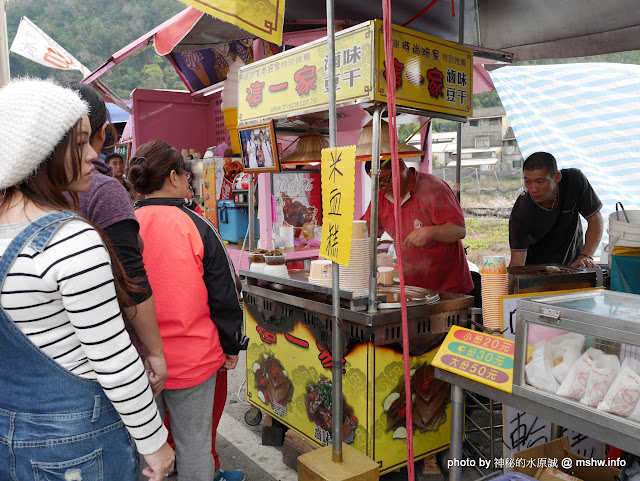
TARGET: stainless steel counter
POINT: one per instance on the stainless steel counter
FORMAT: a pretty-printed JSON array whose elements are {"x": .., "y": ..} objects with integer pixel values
[{"x": 604, "y": 427}]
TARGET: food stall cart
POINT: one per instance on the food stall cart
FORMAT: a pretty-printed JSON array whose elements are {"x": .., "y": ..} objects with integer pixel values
[{"x": 290, "y": 320}]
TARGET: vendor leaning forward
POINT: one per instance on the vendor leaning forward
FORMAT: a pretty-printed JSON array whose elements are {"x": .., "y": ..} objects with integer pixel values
[
  {"x": 433, "y": 226},
  {"x": 544, "y": 227}
]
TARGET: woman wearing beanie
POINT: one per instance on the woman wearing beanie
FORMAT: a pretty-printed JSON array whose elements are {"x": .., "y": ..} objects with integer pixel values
[
  {"x": 74, "y": 398},
  {"x": 193, "y": 283}
]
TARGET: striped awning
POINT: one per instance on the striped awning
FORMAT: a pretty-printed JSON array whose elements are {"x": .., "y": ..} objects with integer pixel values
[{"x": 587, "y": 115}]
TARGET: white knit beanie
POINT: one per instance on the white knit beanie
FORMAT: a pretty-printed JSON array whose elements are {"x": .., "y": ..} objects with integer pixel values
[{"x": 35, "y": 115}]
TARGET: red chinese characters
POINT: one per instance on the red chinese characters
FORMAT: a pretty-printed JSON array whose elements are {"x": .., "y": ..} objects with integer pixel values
[
  {"x": 278, "y": 87},
  {"x": 254, "y": 93},
  {"x": 436, "y": 82},
  {"x": 399, "y": 67},
  {"x": 305, "y": 79}
]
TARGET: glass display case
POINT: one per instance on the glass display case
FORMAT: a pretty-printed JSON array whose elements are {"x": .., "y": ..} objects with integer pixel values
[{"x": 580, "y": 353}]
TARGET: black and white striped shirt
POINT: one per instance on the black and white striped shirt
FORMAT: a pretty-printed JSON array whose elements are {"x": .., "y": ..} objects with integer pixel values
[{"x": 64, "y": 300}]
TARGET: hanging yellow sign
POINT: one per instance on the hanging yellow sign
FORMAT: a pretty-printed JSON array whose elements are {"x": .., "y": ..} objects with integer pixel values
[
  {"x": 338, "y": 194},
  {"x": 477, "y": 356},
  {"x": 263, "y": 18}
]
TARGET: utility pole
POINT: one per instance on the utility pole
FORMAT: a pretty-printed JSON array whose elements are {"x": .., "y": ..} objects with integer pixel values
[{"x": 4, "y": 46}]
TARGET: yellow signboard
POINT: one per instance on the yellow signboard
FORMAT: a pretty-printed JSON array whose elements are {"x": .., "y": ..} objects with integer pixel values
[
  {"x": 297, "y": 80},
  {"x": 477, "y": 356},
  {"x": 263, "y": 18},
  {"x": 431, "y": 74},
  {"x": 338, "y": 194}
]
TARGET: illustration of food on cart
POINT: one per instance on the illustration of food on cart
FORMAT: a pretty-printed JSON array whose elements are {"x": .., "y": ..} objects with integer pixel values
[
  {"x": 429, "y": 396},
  {"x": 319, "y": 409},
  {"x": 273, "y": 384}
]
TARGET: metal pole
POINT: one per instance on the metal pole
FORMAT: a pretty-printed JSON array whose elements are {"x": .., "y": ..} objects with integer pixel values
[
  {"x": 458, "y": 185},
  {"x": 373, "y": 221},
  {"x": 457, "y": 430},
  {"x": 4, "y": 47},
  {"x": 336, "y": 334},
  {"x": 252, "y": 215}
]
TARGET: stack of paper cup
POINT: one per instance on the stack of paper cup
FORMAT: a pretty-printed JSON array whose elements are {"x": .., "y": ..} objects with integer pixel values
[
  {"x": 355, "y": 277},
  {"x": 494, "y": 285},
  {"x": 320, "y": 273}
]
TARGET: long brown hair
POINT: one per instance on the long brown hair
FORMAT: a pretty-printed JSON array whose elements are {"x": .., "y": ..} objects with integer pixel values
[{"x": 45, "y": 189}]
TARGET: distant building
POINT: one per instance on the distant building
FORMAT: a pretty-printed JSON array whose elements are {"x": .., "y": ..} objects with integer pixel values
[{"x": 488, "y": 143}]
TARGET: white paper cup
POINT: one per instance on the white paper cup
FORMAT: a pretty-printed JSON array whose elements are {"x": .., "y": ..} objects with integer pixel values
[
  {"x": 320, "y": 269},
  {"x": 359, "y": 229},
  {"x": 385, "y": 275},
  {"x": 286, "y": 232}
]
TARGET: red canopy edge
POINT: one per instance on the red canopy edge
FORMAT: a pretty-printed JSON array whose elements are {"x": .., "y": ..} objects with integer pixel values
[{"x": 173, "y": 30}]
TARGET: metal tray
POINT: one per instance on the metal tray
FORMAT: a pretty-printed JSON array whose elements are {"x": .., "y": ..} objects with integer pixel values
[{"x": 415, "y": 296}]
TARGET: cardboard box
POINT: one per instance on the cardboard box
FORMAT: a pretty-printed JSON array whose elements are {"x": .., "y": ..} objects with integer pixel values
[
  {"x": 560, "y": 449},
  {"x": 552, "y": 474}
]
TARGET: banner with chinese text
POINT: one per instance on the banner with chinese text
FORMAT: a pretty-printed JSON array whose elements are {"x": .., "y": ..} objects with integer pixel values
[
  {"x": 263, "y": 18},
  {"x": 338, "y": 194},
  {"x": 477, "y": 356},
  {"x": 431, "y": 74},
  {"x": 296, "y": 81}
]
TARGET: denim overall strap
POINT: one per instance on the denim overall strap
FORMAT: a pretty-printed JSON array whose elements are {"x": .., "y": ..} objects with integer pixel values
[{"x": 38, "y": 383}]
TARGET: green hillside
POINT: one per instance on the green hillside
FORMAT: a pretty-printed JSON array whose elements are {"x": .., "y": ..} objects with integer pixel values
[{"x": 92, "y": 31}]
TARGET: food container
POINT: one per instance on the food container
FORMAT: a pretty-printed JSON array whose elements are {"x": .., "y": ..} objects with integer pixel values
[
  {"x": 274, "y": 260},
  {"x": 257, "y": 262},
  {"x": 579, "y": 353}
]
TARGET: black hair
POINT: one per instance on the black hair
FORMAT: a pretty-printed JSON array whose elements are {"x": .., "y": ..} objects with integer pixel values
[
  {"x": 111, "y": 156},
  {"x": 152, "y": 164},
  {"x": 541, "y": 160},
  {"x": 98, "y": 112}
]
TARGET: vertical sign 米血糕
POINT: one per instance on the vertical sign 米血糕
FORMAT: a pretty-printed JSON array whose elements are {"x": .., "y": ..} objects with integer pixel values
[{"x": 338, "y": 194}]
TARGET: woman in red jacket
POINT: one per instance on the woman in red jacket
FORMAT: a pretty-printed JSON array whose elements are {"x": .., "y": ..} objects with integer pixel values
[{"x": 193, "y": 281}]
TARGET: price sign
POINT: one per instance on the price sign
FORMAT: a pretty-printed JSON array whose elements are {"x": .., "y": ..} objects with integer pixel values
[
  {"x": 477, "y": 356},
  {"x": 338, "y": 194}
]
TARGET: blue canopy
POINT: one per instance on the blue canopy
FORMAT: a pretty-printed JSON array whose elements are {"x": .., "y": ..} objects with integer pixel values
[
  {"x": 117, "y": 114},
  {"x": 587, "y": 115}
]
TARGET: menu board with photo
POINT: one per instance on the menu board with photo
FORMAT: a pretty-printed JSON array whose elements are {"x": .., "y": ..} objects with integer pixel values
[{"x": 298, "y": 199}]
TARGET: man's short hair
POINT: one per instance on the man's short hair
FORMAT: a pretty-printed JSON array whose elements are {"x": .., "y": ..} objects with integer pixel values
[
  {"x": 111, "y": 156},
  {"x": 541, "y": 160}
]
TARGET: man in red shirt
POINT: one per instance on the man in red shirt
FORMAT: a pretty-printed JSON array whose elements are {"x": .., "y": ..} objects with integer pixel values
[{"x": 432, "y": 229}]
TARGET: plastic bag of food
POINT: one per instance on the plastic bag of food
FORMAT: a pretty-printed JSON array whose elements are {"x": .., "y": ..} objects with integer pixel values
[
  {"x": 566, "y": 351},
  {"x": 538, "y": 369},
  {"x": 623, "y": 395},
  {"x": 604, "y": 372},
  {"x": 575, "y": 383}
]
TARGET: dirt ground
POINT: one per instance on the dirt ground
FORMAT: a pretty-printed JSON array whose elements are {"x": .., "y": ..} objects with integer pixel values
[{"x": 487, "y": 219}]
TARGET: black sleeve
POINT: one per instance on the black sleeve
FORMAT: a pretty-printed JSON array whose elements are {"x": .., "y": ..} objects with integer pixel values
[
  {"x": 124, "y": 237},
  {"x": 220, "y": 279},
  {"x": 589, "y": 203},
  {"x": 518, "y": 231}
]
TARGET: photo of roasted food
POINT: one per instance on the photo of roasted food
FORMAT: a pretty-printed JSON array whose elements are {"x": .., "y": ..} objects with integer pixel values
[
  {"x": 272, "y": 381},
  {"x": 430, "y": 397},
  {"x": 232, "y": 167},
  {"x": 296, "y": 213},
  {"x": 318, "y": 401}
]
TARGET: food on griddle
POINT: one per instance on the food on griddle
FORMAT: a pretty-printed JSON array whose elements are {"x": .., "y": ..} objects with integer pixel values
[
  {"x": 430, "y": 397},
  {"x": 318, "y": 401},
  {"x": 272, "y": 381}
]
